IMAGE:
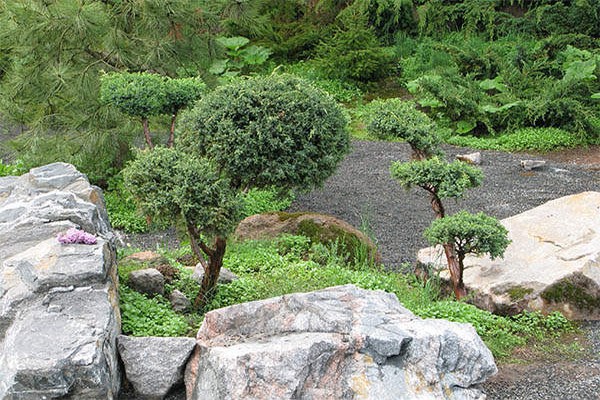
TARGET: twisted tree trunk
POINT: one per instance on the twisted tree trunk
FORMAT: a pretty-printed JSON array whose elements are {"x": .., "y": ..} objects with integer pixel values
[{"x": 455, "y": 265}]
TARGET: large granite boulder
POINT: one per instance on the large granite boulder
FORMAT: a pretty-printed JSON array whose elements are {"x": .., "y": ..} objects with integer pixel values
[
  {"x": 59, "y": 314},
  {"x": 154, "y": 365},
  {"x": 319, "y": 228},
  {"x": 338, "y": 343},
  {"x": 552, "y": 264}
]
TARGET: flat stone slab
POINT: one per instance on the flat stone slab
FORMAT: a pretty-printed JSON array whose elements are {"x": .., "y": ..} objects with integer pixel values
[
  {"x": 59, "y": 312},
  {"x": 552, "y": 264}
]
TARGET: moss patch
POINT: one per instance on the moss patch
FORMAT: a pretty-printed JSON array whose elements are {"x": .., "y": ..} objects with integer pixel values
[
  {"x": 350, "y": 247},
  {"x": 577, "y": 290},
  {"x": 517, "y": 293}
]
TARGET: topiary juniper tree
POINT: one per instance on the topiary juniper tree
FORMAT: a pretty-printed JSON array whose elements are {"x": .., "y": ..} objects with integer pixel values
[
  {"x": 179, "y": 94},
  {"x": 398, "y": 119},
  {"x": 268, "y": 131},
  {"x": 173, "y": 185},
  {"x": 139, "y": 95},
  {"x": 442, "y": 180},
  {"x": 144, "y": 95},
  {"x": 468, "y": 234},
  {"x": 259, "y": 132}
]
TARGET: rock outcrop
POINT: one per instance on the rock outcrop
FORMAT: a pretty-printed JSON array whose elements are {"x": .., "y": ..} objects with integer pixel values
[
  {"x": 59, "y": 314},
  {"x": 319, "y": 228},
  {"x": 154, "y": 365},
  {"x": 552, "y": 264},
  {"x": 337, "y": 343}
]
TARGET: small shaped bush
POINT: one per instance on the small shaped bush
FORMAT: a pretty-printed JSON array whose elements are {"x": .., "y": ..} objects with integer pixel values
[{"x": 398, "y": 119}]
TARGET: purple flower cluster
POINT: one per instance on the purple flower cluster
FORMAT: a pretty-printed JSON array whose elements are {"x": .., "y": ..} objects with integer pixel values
[{"x": 77, "y": 236}]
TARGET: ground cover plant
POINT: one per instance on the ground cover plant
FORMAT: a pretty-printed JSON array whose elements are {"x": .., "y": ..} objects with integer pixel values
[{"x": 291, "y": 264}]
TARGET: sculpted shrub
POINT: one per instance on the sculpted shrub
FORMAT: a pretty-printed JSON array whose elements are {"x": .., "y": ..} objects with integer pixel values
[
  {"x": 255, "y": 133},
  {"x": 469, "y": 234},
  {"x": 265, "y": 131},
  {"x": 171, "y": 185},
  {"x": 398, "y": 119}
]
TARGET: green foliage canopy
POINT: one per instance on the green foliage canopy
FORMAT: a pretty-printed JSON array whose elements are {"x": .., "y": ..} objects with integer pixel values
[
  {"x": 470, "y": 234},
  {"x": 437, "y": 176},
  {"x": 171, "y": 185},
  {"x": 181, "y": 93},
  {"x": 398, "y": 119},
  {"x": 264, "y": 131},
  {"x": 138, "y": 94}
]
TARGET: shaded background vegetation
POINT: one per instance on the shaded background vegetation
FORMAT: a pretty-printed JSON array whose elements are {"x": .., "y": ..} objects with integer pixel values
[{"x": 480, "y": 68}]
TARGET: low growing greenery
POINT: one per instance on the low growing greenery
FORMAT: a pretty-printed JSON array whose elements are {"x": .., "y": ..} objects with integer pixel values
[
  {"x": 291, "y": 264},
  {"x": 525, "y": 139},
  {"x": 14, "y": 169}
]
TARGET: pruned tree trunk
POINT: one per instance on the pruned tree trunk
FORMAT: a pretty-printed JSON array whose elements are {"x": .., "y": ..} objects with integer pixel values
[
  {"x": 436, "y": 204},
  {"x": 456, "y": 271},
  {"x": 172, "y": 131},
  {"x": 147, "y": 133},
  {"x": 454, "y": 264},
  {"x": 211, "y": 274}
]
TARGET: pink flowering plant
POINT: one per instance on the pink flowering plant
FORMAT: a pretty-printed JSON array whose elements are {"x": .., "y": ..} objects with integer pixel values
[{"x": 77, "y": 236}]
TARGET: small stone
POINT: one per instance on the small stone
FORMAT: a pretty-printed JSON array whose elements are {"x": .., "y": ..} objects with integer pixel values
[
  {"x": 471, "y": 158},
  {"x": 528, "y": 165},
  {"x": 179, "y": 302},
  {"x": 148, "y": 259},
  {"x": 153, "y": 365},
  {"x": 148, "y": 281},
  {"x": 225, "y": 276}
]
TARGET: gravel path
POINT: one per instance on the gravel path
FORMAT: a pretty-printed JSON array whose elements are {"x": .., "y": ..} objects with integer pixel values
[{"x": 362, "y": 191}]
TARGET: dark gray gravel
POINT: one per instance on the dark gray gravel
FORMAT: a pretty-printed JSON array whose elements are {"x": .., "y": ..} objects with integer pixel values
[
  {"x": 362, "y": 191},
  {"x": 565, "y": 380}
]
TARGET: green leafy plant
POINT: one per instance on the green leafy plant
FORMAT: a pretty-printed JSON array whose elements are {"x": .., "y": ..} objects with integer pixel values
[
  {"x": 14, "y": 169},
  {"x": 122, "y": 210},
  {"x": 240, "y": 56},
  {"x": 258, "y": 201},
  {"x": 525, "y": 139},
  {"x": 143, "y": 316}
]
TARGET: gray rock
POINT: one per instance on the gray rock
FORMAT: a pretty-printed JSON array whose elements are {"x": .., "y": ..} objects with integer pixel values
[
  {"x": 153, "y": 365},
  {"x": 528, "y": 165},
  {"x": 341, "y": 343},
  {"x": 148, "y": 281},
  {"x": 225, "y": 276},
  {"x": 552, "y": 264},
  {"x": 471, "y": 158},
  {"x": 179, "y": 302},
  {"x": 59, "y": 314}
]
